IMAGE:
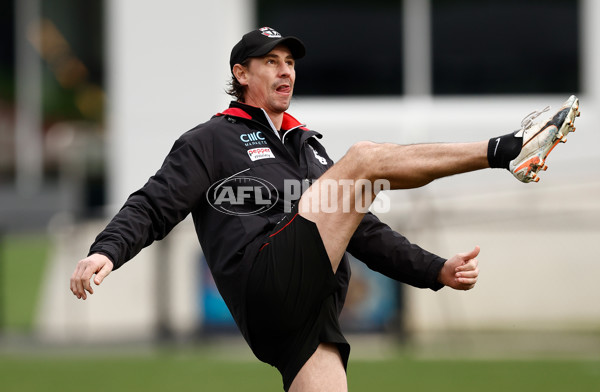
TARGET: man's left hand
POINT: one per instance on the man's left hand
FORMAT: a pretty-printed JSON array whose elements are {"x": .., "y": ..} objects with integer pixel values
[{"x": 460, "y": 272}]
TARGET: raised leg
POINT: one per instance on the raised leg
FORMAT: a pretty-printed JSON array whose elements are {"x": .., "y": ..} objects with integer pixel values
[{"x": 335, "y": 201}]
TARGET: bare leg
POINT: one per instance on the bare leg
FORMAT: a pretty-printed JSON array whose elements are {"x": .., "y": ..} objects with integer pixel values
[
  {"x": 324, "y": 371},
  {"x": 403, "y": 166}
]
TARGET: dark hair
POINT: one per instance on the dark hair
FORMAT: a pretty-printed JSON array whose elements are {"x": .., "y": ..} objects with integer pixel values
[{"x": 235, "y": 89}]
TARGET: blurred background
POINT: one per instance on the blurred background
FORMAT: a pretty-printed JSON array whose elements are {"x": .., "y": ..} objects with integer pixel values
[{"x": 94, "y": 93}]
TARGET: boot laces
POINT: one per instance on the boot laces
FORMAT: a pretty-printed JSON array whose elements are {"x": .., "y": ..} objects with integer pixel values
[{"x": 528, "y": 120}]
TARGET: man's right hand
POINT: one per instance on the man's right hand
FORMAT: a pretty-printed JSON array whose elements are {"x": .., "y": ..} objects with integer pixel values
[{"x": 94, "y": 264}]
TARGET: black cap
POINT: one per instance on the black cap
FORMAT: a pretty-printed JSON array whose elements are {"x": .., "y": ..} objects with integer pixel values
[{"x": 259, "y": 42}]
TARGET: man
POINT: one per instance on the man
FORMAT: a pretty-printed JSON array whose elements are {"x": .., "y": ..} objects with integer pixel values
[{"x": 279, "y": 262}]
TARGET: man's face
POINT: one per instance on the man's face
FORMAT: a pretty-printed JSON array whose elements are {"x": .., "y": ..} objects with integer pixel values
[{"x": 270, "y": 80}]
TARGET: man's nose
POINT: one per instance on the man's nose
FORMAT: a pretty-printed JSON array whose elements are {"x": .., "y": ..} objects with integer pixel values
[{"x": 285, "y": 69}]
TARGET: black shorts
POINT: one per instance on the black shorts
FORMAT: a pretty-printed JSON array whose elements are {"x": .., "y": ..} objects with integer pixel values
[{"x": 292, "y": 304}]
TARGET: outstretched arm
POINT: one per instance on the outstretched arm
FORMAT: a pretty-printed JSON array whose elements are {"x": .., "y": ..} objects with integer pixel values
[
  {"x": 393, "y": 255},
  {"x": 388, "y": 252},
  {"x": 94, "y": 264},
  {"x": 148, "y": 214}
]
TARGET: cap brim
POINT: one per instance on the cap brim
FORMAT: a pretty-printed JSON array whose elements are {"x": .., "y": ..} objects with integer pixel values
[{"x": 294, "y": 44}]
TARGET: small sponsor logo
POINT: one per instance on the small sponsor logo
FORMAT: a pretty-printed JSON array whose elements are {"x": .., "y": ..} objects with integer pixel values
[
  {"x": 269, "y": 32},
  {"x": 256, "y": 154},
  {"x": 242, "y": 195},
  {"x": 253, "y": 139}
]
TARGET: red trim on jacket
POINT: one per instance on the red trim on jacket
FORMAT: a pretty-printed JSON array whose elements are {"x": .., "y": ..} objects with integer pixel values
[
  {"x": 287, "y": 123},
  {"x": 236, "y": 112},
  {"x": 290, "y": 122}
]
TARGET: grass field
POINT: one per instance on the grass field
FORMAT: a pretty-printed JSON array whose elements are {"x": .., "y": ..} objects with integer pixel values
[
  {"x": 197, "y": 372},
  {"x": 23, "y": 260}
]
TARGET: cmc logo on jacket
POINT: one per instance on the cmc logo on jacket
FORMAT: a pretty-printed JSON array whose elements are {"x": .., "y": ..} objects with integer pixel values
[
  {"x": 253, "y": 138},
  {"x": 242, "y": 195}
]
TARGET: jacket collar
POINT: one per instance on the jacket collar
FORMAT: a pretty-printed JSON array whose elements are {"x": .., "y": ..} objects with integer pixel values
[{"x": 241, "y": 110}]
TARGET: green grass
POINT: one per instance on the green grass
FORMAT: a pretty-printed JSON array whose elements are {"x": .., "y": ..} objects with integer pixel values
[
  {"x": 201, "y": 373},
  {"x": 134, "y": 374},
  {"x": 22, "y": 265},
  {"x": 472, "y": 375}
]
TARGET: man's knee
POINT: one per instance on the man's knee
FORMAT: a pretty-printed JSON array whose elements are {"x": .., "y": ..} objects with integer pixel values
[
  {"x": 362, "y": 155},
  {"x": 363, "y": 149}
]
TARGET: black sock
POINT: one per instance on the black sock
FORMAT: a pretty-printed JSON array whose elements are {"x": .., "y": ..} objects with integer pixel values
[{"x": 503, "y": 149}]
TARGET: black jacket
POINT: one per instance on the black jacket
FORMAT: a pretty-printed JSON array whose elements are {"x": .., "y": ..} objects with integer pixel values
[{"x": 237, "y": 148}]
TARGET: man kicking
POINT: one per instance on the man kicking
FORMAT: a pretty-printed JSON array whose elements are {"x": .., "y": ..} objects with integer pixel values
[{"x": 280, "y": 262}]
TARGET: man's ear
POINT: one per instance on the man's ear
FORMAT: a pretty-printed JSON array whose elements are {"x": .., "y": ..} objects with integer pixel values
[{"x": 241, "y": 74}]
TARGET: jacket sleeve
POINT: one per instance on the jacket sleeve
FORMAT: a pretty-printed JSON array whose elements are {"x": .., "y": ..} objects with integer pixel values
[
  {"x": 150, "y": 213},
  {"x": 388, "y": 252}
]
